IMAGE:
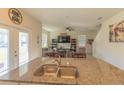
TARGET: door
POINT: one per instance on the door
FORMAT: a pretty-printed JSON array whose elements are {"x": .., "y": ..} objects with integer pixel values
[
  {"x": 4, "y": 49},
  {"x": 23, "y": 48},
  {"x": 20, "y": 47},
  {"x": 14, "y": 48}
]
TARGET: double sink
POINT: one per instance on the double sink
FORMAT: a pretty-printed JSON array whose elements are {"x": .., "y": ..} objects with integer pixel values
[{"x": 58, "y": 71}]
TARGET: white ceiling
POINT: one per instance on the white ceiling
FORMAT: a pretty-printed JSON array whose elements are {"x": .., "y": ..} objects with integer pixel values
[{"x": 82, "y": 19}]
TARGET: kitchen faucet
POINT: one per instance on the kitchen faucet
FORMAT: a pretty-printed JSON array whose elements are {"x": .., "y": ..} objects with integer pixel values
[{"x": 58, "y": 59}]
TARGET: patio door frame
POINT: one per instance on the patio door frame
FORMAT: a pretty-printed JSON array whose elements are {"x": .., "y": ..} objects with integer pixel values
[{"x": 13, "y": 30}]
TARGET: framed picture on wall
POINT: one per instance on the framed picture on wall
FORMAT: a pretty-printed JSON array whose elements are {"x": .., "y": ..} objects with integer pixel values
[{"x": 116, "y": 33}]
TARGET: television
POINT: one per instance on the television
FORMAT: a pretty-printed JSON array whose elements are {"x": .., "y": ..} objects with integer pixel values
[{"x": 63, "y": 39}]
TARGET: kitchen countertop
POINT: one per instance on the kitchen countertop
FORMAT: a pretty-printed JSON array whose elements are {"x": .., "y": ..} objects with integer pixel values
[
  {"x": 91, "y": 71},
  {"x": 25, "y": 74}
]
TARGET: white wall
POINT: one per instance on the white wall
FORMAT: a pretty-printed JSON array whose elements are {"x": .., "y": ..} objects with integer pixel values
[
  {"x": 112, "y": 53},
  {"x": 28, "y": 23}
]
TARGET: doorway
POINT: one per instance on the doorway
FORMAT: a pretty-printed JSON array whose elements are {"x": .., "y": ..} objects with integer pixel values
[
  {"x": 20, "y": 47},
  {"x": 14, "y": 47}
]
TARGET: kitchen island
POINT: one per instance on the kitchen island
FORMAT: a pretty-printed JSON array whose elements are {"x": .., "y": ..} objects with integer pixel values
[
  {"x": 92, "y": 71},
  {"x": 25, "y": 75}
]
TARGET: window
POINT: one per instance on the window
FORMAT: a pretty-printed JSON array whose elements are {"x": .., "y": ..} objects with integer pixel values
[
  {"x": 81, "y": 40},
  {"x": 4, "y": 49},
  {"x": 23, "y": 48},
  {"x": 44, "y": 40}
]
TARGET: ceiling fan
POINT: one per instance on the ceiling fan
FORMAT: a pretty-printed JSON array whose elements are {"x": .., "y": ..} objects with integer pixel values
[{"x": 68, "y": 29}]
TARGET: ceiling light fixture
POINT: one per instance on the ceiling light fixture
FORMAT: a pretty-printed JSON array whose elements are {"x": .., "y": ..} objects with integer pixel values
[{"x": 68, "y": 29}]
